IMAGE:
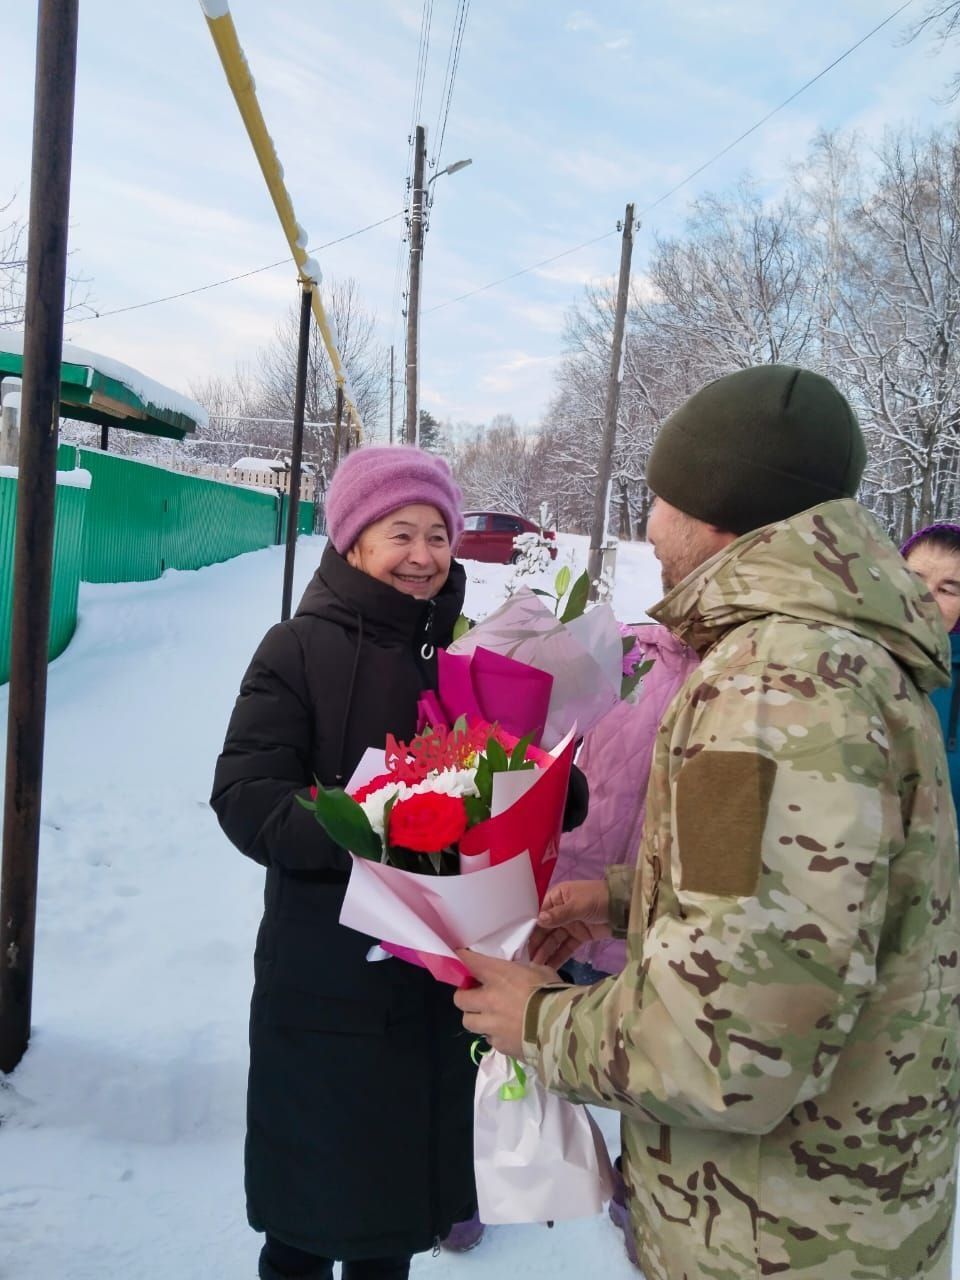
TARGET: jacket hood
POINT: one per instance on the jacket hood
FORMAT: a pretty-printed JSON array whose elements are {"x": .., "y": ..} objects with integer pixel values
[
  {"x": 831, "y": 565},
  {"x": 340, "y": 593}
]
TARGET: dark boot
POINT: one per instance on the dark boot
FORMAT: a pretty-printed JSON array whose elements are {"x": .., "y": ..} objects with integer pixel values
[
  {"x": 279, "y": 1261},
  {"x": 376, "y": 1269}
]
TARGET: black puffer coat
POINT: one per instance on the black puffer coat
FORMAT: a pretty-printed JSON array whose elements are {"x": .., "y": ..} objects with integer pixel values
[{"x": 359, "y": 1105}]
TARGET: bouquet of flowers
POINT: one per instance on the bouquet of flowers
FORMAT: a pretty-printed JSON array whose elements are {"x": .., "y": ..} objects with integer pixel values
[{"x": 420, "y": 817}]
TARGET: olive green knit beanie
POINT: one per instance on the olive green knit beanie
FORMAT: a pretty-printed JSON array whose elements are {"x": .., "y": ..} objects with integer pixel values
[{"x": 757, "y": 446}]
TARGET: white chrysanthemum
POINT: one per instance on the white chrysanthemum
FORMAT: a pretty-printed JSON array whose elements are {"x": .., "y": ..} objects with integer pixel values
[{"x": 450, "y": 782}]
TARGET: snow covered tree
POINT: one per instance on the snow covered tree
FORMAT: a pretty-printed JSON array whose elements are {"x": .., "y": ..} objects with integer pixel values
[{"x": 366, "y": 362}]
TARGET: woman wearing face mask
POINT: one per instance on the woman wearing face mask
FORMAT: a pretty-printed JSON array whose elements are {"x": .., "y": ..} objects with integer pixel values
[
  {"x": 934, "y": 554},
  {"x": 359, "y": 1105}
]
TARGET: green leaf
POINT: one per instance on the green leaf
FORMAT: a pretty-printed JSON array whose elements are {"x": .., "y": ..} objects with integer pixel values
[
  {"x": 460, "y": 725},
  {"x": 561, "y": 583},
  {"x": 577, "y": 601},
  {"x": 496, "y": 757},
  {"x": 346, "y": 823},
  {"x": 628, "y": 643},
  {"x": 483, "y": 781},
  {"x": 387, "y": 810},
  {"x": 538, "y": 591},
  {"x": 477, "y": 811},
  {"x": 518, "y": 757},
  {"x": 462, "y": 625},
  {"x": 630, "y": 682}
]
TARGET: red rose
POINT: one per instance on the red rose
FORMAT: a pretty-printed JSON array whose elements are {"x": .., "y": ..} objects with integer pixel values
[
  {"x": 427, "y": 823},
  {"x": 313, "y": 793},
  {"x": 370, "y": 787}
]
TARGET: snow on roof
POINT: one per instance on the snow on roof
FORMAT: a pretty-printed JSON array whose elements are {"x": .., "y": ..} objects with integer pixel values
[
  {"x": 258, "y": 464},
  {"x": 149, "y": 391}
]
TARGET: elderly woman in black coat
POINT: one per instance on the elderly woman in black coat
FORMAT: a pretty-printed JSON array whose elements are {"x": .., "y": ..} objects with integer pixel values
[{"x": 359, "y": 1105}]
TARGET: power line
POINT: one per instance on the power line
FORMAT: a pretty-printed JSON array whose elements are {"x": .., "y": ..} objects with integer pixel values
[
  {"x": 690, "y": 176},
  {"x": 786, "y": 102},
  {"x": 243, "y": 275},
  {"x": 523, "y": 271},
  {"x": 450, "y": 76}
]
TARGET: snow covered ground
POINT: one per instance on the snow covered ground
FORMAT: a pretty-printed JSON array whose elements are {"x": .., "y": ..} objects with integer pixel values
[{"x": 121, "y": 1131}]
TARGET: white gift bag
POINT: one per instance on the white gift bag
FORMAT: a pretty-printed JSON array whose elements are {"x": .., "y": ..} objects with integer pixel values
[{"x": 537, "y": 1157}]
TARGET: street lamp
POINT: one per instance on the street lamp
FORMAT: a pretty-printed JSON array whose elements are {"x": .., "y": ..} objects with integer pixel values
[
  {"x": 416, "y": 257},
  {"x": 451, "y": 168}
]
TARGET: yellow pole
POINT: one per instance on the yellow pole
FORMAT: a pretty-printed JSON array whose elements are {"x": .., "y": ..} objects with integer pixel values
[{"x": 220, "y": 22}]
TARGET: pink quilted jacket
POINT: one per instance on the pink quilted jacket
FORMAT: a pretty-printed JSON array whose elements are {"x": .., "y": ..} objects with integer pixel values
[{"x": 616, "y": 756}]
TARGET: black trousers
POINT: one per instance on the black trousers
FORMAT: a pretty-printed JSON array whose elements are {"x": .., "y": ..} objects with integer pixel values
[{"x": 278, "y": 1261}]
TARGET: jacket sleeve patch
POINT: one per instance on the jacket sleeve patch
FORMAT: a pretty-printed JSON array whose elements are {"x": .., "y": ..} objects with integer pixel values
[{"x": 722, "y": 799}]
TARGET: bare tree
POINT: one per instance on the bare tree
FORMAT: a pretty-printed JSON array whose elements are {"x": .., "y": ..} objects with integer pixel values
[
  {"x": 364, "y": 359},
  {"x": 897, "y": 324},
  {"x": 735, "y": 291},
  {"x": 941, "y": 22},
  {"x": 13, "y": 272},
  {"x": 502, "y": 468}
]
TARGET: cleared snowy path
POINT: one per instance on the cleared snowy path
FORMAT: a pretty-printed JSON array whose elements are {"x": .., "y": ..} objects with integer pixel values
[{"x": 121, "y": 1132}]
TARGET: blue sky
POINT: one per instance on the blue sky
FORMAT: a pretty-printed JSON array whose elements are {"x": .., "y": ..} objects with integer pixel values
[{"x": 567, "y": 112}]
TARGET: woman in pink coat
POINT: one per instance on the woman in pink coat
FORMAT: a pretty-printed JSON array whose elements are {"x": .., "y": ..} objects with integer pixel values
[{"x": 616, "y": 756}]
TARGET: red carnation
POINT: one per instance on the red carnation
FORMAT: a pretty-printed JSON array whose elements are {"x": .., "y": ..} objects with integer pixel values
[
  {"x": 375, "y": 784},
  {"x": 427, "y": 823}
]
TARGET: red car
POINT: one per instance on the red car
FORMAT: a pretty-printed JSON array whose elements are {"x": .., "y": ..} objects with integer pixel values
[{"x": 489, "y": 535}]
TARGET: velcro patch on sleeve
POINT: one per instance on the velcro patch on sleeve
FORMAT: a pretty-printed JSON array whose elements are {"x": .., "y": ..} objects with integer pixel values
[{"x": 722, "y": 799}]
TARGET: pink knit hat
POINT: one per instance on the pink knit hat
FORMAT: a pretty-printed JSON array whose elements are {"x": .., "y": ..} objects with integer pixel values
[{"x": 372, "y": 482}]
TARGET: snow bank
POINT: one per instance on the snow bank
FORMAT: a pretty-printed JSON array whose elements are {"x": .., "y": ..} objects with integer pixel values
[{"x": 78, "y": 479}]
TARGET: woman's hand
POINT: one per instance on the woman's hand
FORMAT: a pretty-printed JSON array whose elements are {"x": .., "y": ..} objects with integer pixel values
[{"x": 572, "y": 913}]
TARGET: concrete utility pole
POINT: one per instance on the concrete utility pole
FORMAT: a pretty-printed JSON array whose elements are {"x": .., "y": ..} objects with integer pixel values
[
  {"x": 601, "y": 502},
  {"x": 36, "y": 490},
  {"x": 413, "y": 293},
  {"x": 391, "y": 395}
]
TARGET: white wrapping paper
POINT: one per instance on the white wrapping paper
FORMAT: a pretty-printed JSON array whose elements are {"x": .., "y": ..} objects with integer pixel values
[{"x": 539, "y": 1158}]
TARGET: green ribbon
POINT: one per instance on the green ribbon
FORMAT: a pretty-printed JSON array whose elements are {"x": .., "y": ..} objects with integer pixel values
[
  {"x": 514, "y": 1090},
  {"x": 478, "y": 1049}
]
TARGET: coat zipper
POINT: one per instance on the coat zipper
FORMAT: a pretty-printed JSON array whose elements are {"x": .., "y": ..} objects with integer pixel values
[{"x": 427, "y": 648}]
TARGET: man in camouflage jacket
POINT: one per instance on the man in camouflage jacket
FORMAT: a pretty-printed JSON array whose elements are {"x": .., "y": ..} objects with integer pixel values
[{"x": 783, "y": 1042}]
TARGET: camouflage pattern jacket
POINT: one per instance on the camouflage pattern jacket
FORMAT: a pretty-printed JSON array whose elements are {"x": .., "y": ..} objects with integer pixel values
[{"x": 783, "y": 1042}]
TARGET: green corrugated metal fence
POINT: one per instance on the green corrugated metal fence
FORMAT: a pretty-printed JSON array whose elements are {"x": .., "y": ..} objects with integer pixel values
[
  {"x": 304, "y": 518},
  {"x": 143, "y": 519},
  {"x": 69, "y": 510},
  {"x": 132, "y": 523}
]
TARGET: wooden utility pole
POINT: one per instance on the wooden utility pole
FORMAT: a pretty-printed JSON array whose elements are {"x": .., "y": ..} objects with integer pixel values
[
  {"x": 601, "y": 502},
  {"x": 391, "y": 395},
  {"x": 413, "y": 293},
  {"x": 296, "y": 451},
  {"x": 36, "y": 489}
]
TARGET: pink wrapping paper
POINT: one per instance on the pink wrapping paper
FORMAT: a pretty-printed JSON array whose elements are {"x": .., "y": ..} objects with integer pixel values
[
  {"x": 424, "y": 919},
  {"x": 488, "y": 686}
]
